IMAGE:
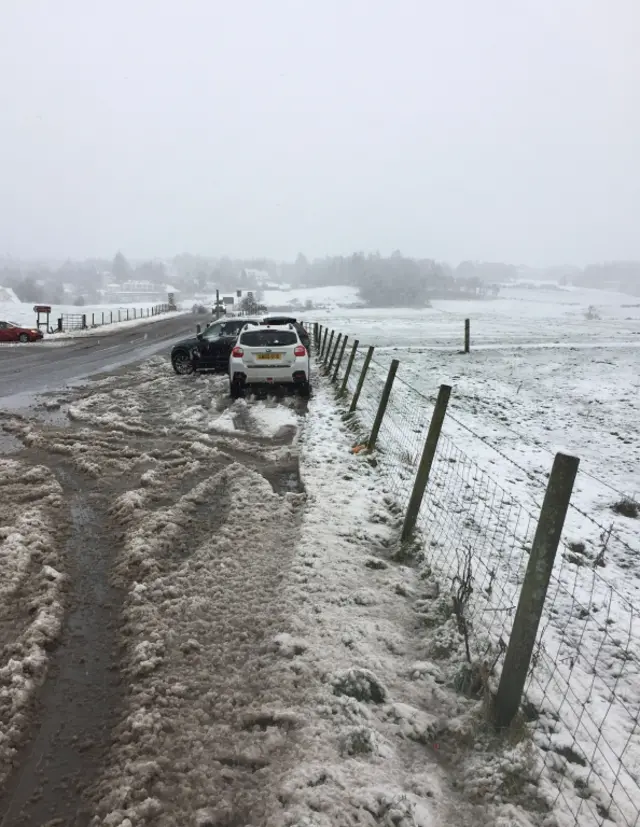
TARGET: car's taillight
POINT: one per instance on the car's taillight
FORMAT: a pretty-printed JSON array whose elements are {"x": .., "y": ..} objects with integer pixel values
[
  {"x": 237, "y": 352},
  {"x": 300, "y": 351}
]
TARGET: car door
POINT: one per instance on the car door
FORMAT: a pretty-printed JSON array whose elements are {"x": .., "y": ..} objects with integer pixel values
[
  {"x": 207, "y": 347},
  {"x": 225, "y": 343}
]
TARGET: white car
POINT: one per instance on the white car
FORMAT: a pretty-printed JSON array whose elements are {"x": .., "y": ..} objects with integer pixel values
[{"x": 269, "y": 355}]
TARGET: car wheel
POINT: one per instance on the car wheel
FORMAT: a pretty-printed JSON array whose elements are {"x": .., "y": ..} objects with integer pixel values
[
  {"x": 23, "y": 338},
  {"x": 235, "y": 390},
  {"x": 182, "y": 363}
]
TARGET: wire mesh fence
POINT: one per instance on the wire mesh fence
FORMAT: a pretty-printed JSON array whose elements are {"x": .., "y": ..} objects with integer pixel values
[
  {"x": 582, "y": 696},
  {"x": 81, "y": 321}
]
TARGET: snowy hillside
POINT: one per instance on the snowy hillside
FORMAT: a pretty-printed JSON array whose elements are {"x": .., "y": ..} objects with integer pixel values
[
  {"x": 7, "y": 296},
  {"x": 327, "y": 298}
]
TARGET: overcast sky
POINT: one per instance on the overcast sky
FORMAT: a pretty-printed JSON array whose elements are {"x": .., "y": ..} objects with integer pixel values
[{"x": 485, "y": 129}]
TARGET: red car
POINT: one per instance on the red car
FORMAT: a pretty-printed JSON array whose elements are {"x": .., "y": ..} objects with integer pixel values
[{"x": 12, "y": 332}]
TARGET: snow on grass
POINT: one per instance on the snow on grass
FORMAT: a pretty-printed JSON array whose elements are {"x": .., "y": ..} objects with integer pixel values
[
  {"x": 327, "y": 298},
  {"x": 21, "y": 313},
  {"x": 518, "y": 318},
  {"x": 515, "y": 403},
  {"x": 387, "y": 739},
  {"x": 125, "y": 324},
  {"x": 31, "y": 593}
]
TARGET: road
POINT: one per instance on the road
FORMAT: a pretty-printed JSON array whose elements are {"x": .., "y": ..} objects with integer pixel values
[{"x": 27, "y": 370}]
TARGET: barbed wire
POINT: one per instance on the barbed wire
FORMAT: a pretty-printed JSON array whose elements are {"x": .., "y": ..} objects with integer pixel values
[{"x": 532, "y": 473}]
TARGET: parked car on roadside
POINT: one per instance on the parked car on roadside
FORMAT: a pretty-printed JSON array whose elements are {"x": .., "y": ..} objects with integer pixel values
[
  {"x": 284, "y": 320},
  {"x": 271, "y": 355},
  {"x": 13, "y": 332},
  {"x": 209, "y": 350}
]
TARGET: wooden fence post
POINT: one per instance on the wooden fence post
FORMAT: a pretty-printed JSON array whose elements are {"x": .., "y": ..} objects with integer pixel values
[
  {"x": 103, "y": 317},
  {"x": 93, "y": 320},
  {"x": 324, "y": 341},
  {"x": 362, "y": 377},
  {"x": 198, "y": 328},
  {"x": 426, "y": 461},
  {"x": 347, "y": 373},
  {"x": 327, "y": 351},
  {"x": 467, "y": 335},
  {"x": 84, "y": 321},
  {"x": 339, "y": 362},
  {"x": 111, "y": 322},
  {"x": 534, "y": 589},
  {"x": 315, "y": 335},
  {"x": 382, "y": 407},
  {"x": 335, "y": 351}
]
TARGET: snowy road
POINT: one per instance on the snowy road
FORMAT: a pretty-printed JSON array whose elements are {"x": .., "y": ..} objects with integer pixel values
[
  {"x": 164, "y": 518},
  {"x": 30, "y": 369}
]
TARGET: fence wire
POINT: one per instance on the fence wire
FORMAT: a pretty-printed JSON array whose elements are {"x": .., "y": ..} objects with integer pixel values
[{"x": 582, "y": 698}]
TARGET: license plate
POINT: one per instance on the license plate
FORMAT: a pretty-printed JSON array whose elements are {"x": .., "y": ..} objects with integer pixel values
[{"x": 268, "y": 355}]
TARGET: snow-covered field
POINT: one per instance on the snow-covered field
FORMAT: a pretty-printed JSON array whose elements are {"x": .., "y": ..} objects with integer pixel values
[
  {"x": 328, "y": 298},
  {"x": 541, "y": 378},
  {"x": 519, "y": 317},
  {"x": 113, "y": 315}
]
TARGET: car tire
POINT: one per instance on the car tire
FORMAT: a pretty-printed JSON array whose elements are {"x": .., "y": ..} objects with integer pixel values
[
  {"x": 23, "y": 337},
  {"x": 235, "y": 390},
  {"x": 182, "y": 363}
]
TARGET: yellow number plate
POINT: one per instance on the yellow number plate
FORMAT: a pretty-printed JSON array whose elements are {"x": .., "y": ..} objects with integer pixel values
[{"x": 269, "y": 355}]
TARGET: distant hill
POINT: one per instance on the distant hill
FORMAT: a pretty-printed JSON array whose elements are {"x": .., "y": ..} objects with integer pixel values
[{"x": 7, "y": 295}]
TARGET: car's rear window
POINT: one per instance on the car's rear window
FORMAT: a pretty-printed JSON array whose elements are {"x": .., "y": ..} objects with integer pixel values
[{"x": 268, "y": 338}]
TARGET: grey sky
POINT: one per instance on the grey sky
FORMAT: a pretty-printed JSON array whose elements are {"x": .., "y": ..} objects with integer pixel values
[{"x": 489, "y": 129}]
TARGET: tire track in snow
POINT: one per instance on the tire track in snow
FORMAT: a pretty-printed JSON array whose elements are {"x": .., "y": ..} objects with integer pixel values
[{"x": 205, "y": 524}]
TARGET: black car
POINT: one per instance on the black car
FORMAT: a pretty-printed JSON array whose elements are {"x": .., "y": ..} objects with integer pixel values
[
  {"x": 277, "y": 320},
  {"x": 209, "y": 350}
]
